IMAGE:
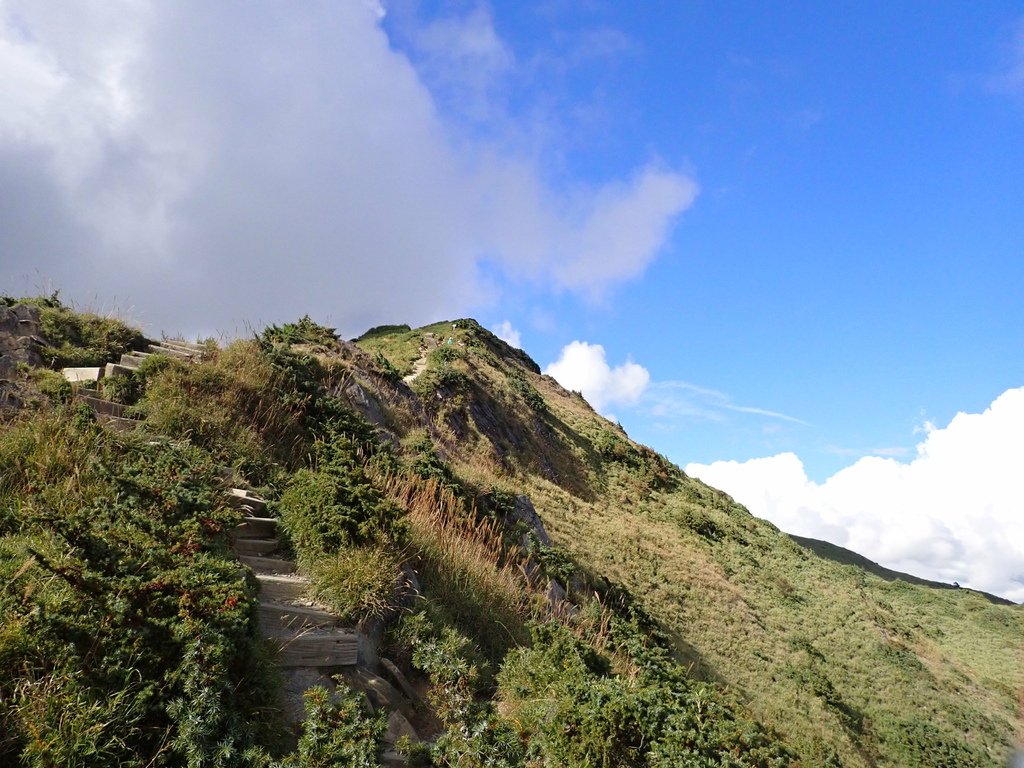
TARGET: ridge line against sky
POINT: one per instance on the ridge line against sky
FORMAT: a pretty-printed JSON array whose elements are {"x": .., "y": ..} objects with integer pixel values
[{"x": 744, "y": 231}]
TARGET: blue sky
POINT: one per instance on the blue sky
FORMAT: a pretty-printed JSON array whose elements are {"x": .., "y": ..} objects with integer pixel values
[
  {"x": 855, "y": 256},
  {"x": 781, "y": 243}
]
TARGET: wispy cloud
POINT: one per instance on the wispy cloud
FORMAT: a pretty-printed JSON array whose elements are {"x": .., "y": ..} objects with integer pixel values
[
  {"x": 894, "y": 451},
  {"x": 1010, "y": 78},
  {"x": 584, "y": 367},
  {"x": 682, "y": 399}
]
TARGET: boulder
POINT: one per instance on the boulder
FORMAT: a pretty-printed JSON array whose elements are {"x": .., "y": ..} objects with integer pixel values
[
  {"x": 399, "y": 726},
  {"x": 400, "y": 680},
  {"x": 294, "y": 683},
  {"x": 379, "y": 692}
]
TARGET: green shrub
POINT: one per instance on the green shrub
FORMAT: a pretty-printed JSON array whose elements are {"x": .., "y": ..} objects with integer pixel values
[
  {"x": 576, "y": 712},
  {"x": 305, "y": 331},
  {"x": 235, "y": 406},
  {"x": 445, "y": 354},
  {"x": 80, "y": 338},
  {"x": 338, "y": 731},
  {"x": 125, "y": 389},
  {"x": 53, "y": 386},
  {"x": 527, "y": 392},
  {"x": 385, "y": 367},
  {"x": 324, "y": 511},
  {"x": 383, "y": 330},
  {"x": 129, "y": 631},
  {"x": 475, "y": 735}
]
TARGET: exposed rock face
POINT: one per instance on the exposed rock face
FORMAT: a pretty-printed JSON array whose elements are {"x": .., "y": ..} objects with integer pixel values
[
  {"x": 524, "y": 512},
  {"x": 365, "y": 404},
  {"x": 20, "y": 339}
]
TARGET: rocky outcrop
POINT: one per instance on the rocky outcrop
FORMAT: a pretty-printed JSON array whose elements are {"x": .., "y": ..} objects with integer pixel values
[
  {"x": 524, "y": 512},
  {"x": 20, "y": 337}
]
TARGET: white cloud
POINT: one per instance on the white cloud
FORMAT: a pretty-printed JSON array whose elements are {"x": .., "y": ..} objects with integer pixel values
[
  {"x": 668, "y": 400},
  {"x": 216, "y": 164},
  {"x": 953, "y": 513},
  {"x": 1011, "y": 78},
  {"x": 508, "y": 334},
  {"x": 583, "y": 367}
]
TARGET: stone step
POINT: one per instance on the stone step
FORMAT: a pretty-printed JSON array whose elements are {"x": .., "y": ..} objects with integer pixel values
[
  {"x": 246, "y": 500},
  {"x": 132, "y": 360},
  {"x": 116, "y": 369},
  {"x": 159, "y": 349},
  {"x": 277, "y": 617},
  {"x": 317, "y": 648},
  {"x": 196, "y": 350},
  {"x": 268, "y": 564},
  {"x": 256, "y": 528},
  {"x": 82, "y": 375},
  {"x": 101, "y": 406},
  {"x": 282, "y": 589},
  {"x": 120, "y": 424},
  {"x": 255, "y": 547}
]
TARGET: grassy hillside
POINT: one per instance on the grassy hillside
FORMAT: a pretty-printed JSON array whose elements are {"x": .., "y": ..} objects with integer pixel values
[
  {"x": 839, "y": 660},
  {"x": 662, "y": 625}
]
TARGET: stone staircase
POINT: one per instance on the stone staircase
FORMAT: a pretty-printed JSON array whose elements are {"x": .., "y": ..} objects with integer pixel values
[
  {"x": 86, "y": 381},
  {"x": 311, "y": 644},
  {"x": 305, "y": 634}
]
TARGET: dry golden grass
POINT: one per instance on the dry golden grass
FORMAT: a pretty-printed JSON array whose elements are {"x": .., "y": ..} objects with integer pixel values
[{"x": 464, "y": 564}]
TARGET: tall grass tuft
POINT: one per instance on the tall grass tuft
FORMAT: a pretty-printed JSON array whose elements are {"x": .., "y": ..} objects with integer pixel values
[{"x": 463, "y": 562}]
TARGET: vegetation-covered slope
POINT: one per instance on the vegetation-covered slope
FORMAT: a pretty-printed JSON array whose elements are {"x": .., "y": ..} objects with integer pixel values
[{"x": 661, "y": 625}]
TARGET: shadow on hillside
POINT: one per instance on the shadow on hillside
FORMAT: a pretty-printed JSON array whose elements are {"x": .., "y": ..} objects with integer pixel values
[{"x": 696, "y": 666}]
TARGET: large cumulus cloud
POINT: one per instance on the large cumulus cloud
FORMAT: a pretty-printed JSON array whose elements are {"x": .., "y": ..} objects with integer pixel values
[
  {"x": 216, "y": 164},
  {"x": 953, "y": 513}
]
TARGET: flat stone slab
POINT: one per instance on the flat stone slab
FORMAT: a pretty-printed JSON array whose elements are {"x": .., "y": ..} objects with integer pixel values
[
  {"x": 267, "y": 564},
  {"x": 280, "y": 588},
  {"x": 317, "y": 648},
  {"x": 102, "y": 407},
  {"x": 116, "y": 369},
  {"x": 132, "y": 360},
  {"x": 184, "y": 346},
  {"x": 281, "y": 617},
  {"x": 159, "y": 349},
  {"x": 255, "y": 547},
  {"x": 256, "y": 528},
  {"x": 76, "y": 375},
  {"x": 247, "y": 500}
]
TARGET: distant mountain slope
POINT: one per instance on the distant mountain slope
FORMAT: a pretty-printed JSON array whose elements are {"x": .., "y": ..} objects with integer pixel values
[{"x": 845, "y": 556}]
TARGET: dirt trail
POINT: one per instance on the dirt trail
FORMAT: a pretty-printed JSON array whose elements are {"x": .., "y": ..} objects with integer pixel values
[
  {"x": 429, "y": 343},
  {"x": 417, "y": 368}
]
